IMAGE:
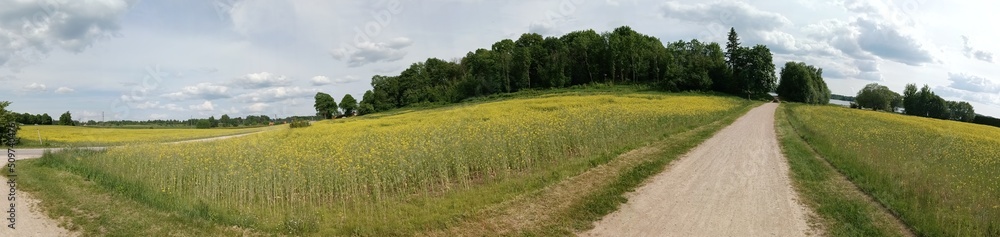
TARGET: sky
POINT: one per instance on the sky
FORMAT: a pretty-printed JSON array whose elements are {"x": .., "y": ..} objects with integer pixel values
[{"x": 179, "y": 59}]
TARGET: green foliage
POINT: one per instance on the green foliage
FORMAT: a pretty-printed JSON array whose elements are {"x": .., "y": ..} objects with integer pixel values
[
  {"x": 299, "y": 124},
  {"x": 877, "y": 97},
  {"x": 225, "y": 121},
  {"x": 925, "y": 103},
  {"x": 578, "y": 58},
  {"x": 66, "y": 119},
  {"x": 803, "y": 83},
  {"x": 212, "y": 122},
  {"x": 8, "y": 125},
  {"x": 325, "y": 105},
  {"x": 348, "y": 104},
  {"x": 203, "y": 124},
  {"x": 756, "y": 69}
]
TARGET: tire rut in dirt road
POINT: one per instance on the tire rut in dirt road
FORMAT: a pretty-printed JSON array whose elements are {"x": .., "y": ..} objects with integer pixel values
[{"x": 734, "y": 184}]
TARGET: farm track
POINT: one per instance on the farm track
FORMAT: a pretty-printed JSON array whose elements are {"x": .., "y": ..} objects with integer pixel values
[
  {"x": 736, "y": 183},
  {"x": 30, "y": 221}
]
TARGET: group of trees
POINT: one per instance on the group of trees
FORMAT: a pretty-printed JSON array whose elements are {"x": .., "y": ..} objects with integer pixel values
[
  {"x": 39, "y": 119},
  {"x": 226, "y": 121},
  {"x": 43, "y": 119},
  {"x": 621, "y": 56},
  {"x": 803, "y": 83},
  {"x": 922, "y": 102},
  {"x": 878, "y": 97},
  {"x": 327, "y": 107},
  {"x": 927, "y": 104}
]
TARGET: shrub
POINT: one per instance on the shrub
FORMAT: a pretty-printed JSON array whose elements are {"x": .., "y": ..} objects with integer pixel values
[{"x": 299, "y": 124}]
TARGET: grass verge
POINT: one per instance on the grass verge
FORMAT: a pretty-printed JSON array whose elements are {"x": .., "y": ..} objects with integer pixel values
[
  {"x": 843, "y": 210},
  {"x": 939, "y": 177},
  {"x": 84, "y": 206}
]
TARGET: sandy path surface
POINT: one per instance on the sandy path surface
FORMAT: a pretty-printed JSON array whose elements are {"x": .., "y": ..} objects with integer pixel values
[
  {"x": 734, "y": 184},
  {"x": 32, "y": 222}
]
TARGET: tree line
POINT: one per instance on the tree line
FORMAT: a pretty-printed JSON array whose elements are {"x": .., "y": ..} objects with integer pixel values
[
  {"x": 922, "y": 102},
  {"x": 622, "y": 56}
]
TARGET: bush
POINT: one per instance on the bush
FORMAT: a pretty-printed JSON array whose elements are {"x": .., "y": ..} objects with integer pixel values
[
  {"x": 299, "y": 124},
  {"x": 203, "y": 124}
]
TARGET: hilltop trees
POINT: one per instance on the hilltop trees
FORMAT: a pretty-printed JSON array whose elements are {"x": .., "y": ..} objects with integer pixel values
[
  {"x": 325, "y": 105},
  {"x": 348, "y": 104},
  {"x": 803, "y": 83},
  {"x": 621, "y": 56},
  {"x": 878, "y": 97}
]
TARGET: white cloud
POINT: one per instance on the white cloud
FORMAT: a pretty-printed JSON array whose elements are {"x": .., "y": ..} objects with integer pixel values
[
  {"x": 261, "y": 80},
  {"x": 257, "y": 107},
  {"x": 206, "y": 91},
  {"x": 148, "y": 105},
  {"x": 64, "y": 90},
  {"x": 158, "y": 116},
  {"x": 207, "y": 106},
  {"x": 231, "y": 110},
  {"x": 172, "y": 107},
  {"x": 973, "y": 83},
  {"x": 370, "y": 52},
  {"x": 346, "y": 79},
  {"x": 276, "y": 94},
  {"x": 544, "y": 28},
  {"x": 35, "y": 87},
  {"x": 320, "y": 80},
  {"x": 739, "y": 15}
]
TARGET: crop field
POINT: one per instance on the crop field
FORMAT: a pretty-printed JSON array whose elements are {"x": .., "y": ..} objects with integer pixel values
[
  {"x": 55, "y": 135},
  {"x": 394, "y": 174},
  {"x": 942, "y": 178}
]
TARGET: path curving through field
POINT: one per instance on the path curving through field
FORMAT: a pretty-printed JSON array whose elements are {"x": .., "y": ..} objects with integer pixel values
[
  {"x": 29, "y": 220},
  {"x": 734, "y": 184}
]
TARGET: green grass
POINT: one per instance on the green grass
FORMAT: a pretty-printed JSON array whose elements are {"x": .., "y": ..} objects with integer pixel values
[
  {"x": 149, "y": 176},
  {"x": 842, "y": 209},
  {"x": 93, "y": 209},
  {"x": 939, "y": 177}
]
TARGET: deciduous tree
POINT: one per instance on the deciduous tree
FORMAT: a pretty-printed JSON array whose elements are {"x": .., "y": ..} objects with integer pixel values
[{"x": 325, "y": 105}]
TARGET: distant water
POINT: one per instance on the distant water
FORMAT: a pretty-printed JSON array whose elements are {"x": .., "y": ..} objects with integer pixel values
[{"x": 840, "y": 102}]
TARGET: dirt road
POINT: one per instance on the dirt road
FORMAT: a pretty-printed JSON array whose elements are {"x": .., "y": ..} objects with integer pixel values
[
  {"x": 734, "y": 184},
  {"x": 29, "y": 221}
]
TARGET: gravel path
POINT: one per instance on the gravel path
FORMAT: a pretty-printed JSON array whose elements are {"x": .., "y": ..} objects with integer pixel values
[
  {"x": 32, "y": 222},
  {"x": 734, "y": 184}
]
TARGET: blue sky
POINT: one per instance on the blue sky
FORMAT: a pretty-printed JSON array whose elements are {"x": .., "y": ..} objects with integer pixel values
[{"x": 194, "y": 58}]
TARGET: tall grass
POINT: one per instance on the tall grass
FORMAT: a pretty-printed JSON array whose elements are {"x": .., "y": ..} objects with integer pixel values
[
  {"x": 341, "y": 176},
  {"x": 942, "y": 178}
]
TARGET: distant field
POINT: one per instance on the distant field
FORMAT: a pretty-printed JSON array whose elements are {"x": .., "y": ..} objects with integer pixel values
[
  {"x": 57, "y": 135},
  {"x": 396, "y": 174},
  {"x": 942, "y": 178}
]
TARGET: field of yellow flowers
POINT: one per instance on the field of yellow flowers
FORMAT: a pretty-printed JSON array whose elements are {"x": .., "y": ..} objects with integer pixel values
[
  {"x": 942, "y": 178},
  {"x": 335, "y": 176},
  {"x": 56, "y": 135}
]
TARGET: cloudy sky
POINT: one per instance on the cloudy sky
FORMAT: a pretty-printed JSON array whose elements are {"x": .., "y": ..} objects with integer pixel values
[{"x": 194, "y": 58}]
